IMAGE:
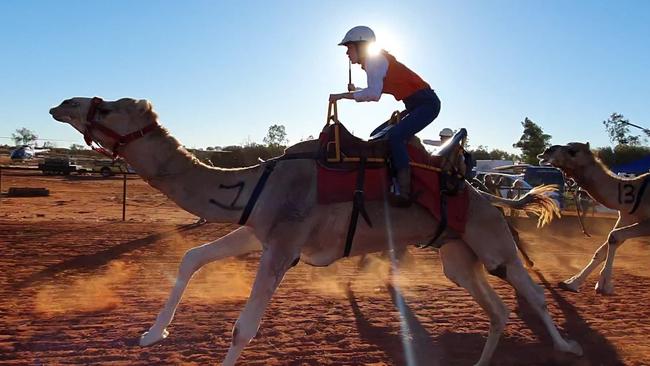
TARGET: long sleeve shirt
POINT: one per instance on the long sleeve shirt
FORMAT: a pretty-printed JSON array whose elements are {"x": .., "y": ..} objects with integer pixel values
[{"x": 376, "y": 67}]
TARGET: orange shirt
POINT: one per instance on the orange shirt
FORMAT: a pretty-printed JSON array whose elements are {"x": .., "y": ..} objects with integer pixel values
[{"x": 400, "y": 81}]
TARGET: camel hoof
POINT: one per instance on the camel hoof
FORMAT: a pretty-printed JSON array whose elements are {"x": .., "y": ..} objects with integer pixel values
[
  {"x": 574, "y": 348},
  {"x": 571, "y": 347},
  {"x": 568, "y": 287},
  {"x": 149, "y": 338},
  {"x": 604, "y": 291}
]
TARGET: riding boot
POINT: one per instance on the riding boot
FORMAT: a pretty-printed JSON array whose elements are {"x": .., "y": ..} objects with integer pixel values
[{"x": 401, "y": 195}]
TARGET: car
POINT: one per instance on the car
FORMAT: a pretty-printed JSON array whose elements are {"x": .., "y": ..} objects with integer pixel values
[{"x": 108, "y": 168}]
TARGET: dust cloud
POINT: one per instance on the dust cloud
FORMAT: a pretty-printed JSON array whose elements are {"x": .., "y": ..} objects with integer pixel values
[{"x": 85, "y": 293}]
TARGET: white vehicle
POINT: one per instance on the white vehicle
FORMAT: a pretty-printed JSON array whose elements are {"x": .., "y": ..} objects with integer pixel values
[{"x": 26, "y": 152}]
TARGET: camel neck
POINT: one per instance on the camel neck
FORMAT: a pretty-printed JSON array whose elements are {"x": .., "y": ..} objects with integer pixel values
[
  {"x": 216, "y": 194},
  {"x": 600, "y": 184}
]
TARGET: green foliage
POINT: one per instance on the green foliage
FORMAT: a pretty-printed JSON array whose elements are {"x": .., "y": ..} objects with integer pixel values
[
  {"x": 23, "y": 136},
  {"x": 277, "y": 136},
  {"x": 621, "y": 154},
  {"x": 532, "y": 142},
  {"x": 482, "y": 153},
  {"x": 618, "y": 129}
]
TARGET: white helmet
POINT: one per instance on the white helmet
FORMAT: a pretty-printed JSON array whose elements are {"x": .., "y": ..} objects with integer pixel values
[
  {"x": 360, "y": 33},
  {"x": 446, "y": 132}
]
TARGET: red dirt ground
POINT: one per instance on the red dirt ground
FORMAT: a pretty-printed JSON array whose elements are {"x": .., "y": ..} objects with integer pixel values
[{"x": 78, "y": 286}]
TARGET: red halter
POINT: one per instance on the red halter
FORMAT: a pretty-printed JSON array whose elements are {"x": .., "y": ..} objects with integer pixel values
[{"x": 120, "y": 140}]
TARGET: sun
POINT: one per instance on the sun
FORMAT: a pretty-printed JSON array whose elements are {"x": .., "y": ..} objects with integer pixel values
[{"x": 386, "y": 40}]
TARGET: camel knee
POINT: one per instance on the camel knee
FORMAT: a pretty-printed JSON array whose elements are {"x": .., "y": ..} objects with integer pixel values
[
  {"x": 191, "y": 262},
  {"x": 614, "y": 239},
  {"x": 459, "y": 275}
]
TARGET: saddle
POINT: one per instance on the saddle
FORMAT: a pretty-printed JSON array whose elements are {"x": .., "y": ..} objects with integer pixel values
[
  {"x": 340, "y": 149},
  {"x": 341, "y": 156}
]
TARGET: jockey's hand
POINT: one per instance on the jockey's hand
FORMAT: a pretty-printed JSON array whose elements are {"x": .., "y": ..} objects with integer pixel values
[
  {"x": 335, "y": 97},
  {"x": 351, "y": 87}
]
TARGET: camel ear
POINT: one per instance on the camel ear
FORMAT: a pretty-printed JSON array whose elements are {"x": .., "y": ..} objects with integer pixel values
[
  {"x": 143, "y": 106},
  {"x": 588, "y": 146}
]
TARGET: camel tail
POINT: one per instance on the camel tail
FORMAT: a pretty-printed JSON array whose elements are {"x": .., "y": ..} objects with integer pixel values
[{"x": 537, "y": 201}]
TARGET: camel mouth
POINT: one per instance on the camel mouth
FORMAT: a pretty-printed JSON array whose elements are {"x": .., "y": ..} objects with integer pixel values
[{"x": 60, "y": 118}]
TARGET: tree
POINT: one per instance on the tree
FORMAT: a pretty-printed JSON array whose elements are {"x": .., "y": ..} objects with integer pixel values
[
  {"x": 621, "y": 154},
  {"x": 23, "y": 136},
  {"x": 49, "y": 145},
  {"x": 277, "y": 136},
  {"x": 77, "y": 147},
  {"x": 482, "y": 153},
  {"x": 618, "y": 129},
  {"x": 532, "y": 142}
]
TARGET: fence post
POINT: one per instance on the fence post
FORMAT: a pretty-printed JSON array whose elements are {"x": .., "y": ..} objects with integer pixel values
[{"x": 124, "y": 198}]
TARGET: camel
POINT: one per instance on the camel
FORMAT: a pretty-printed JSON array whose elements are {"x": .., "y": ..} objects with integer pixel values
[
  {"x": 626, "y": 195},
  {"x": 288, "y": 225}
]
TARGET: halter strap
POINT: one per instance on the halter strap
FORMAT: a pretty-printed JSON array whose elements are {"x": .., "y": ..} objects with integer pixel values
[{"x": 120, "y": 140}]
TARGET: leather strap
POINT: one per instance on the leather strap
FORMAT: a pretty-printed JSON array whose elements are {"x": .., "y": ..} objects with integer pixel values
[
  {"x": 358, "y": 207},
  {"x": 257, "y": 191}
]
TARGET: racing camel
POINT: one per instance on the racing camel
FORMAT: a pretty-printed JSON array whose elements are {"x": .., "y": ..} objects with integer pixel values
[
  {"x": 629, "y": 196},
  {"x": 287, "y": 224}
]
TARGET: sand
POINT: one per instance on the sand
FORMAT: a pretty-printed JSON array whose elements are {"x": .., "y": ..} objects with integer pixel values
[{"x": 79, "y": 286}]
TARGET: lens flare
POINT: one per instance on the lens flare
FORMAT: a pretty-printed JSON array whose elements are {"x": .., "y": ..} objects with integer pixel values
[{"x": 405, "y": 331}]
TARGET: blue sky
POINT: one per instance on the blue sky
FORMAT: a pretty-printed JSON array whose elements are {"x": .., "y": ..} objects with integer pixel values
[{"x": 219, "y": 73}]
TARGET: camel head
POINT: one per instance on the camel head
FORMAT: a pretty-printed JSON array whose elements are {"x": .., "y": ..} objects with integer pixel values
[
  {"x": 105, "y": 122},
  {"x": 570, "y": 158}
]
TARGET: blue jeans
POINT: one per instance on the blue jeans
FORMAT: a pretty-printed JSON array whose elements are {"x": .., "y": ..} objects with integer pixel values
[{"x": 422, "y": 107}]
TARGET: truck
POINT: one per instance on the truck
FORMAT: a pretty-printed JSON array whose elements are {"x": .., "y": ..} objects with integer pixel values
[{"x": 59, "y": 166}]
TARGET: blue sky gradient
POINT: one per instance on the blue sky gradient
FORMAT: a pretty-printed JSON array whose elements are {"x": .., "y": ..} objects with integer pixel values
[{"x": 221, "y": 72}]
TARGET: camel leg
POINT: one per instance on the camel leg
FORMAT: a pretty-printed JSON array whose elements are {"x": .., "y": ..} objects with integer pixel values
[
  {"x": 274, "y": 263},
  {"x": 516, "y": 275},
  {"x": 462, "y": 267},
  {"x": 238, "y": 242},
  {"x": 574, "y": 283},
  {"x": 616, "y": 238}
]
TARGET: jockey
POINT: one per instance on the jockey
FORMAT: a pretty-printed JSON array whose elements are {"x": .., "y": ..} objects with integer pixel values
[{"x": 389, "y": 76}]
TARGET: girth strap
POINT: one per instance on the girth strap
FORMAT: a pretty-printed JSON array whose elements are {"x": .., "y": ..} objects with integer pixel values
[
  {"x": 268, "y": 169},
  {"x": 442, "y": 226},
  {"x": 358, "y": 207},
  {"x": 257, "y": 191}
]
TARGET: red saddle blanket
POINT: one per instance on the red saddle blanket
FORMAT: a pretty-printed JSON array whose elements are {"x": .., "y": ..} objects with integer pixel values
[{"x": 336, "y": 186}]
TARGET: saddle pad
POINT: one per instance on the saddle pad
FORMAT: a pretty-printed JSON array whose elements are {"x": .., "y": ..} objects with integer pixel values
[{"x": 335, "y": 186}]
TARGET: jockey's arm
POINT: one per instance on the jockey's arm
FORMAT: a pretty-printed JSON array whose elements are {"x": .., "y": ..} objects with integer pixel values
[{"x": 376, "y": 68}]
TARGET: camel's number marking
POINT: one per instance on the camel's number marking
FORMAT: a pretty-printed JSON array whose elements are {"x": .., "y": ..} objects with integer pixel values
[{"x": 626, "y": 193}]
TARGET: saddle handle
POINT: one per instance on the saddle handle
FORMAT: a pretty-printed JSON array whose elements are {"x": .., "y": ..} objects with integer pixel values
[{"x": 332, "y": 114}]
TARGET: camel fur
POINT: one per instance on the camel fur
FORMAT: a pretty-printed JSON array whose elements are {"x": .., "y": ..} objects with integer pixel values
[
  {"x": 629, "y": 196},
  {"x": 287, "y": 225}
]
